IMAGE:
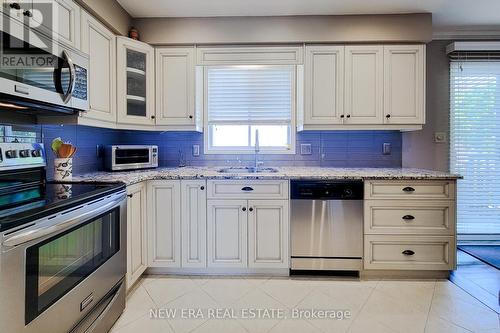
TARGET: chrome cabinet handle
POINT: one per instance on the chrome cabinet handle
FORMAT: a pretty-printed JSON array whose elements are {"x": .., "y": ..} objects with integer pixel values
[
  {"x": 408, "y": 218},
  {"x": 247, "y": 189},
  {"x": 408, "y": 189},
  {"x": 408, "y": 252}
]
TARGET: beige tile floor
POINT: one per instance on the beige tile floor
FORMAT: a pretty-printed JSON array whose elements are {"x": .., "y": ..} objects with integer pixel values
[{"x": 376, "y": 306}]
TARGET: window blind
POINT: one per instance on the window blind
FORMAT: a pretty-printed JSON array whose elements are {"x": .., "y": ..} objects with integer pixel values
[
  {"x": 250, "y": 94},
  {"x": 475, "y": 143}
]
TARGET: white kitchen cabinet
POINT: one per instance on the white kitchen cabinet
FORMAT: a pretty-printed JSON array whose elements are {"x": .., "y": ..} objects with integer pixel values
[
  {"x": 17, "y": 9},
  {"x": 135, "y": 82},
  {"x": 62, "y": 23},
  {"x": 363, "y": 84},
  {"x": 164, "y": 223},
  {"x": 268, "y": 234},
  {"x": 194, "y": 223},
  {"x": 136, "y": 233},
  {"x": 404, "y": 84},
  {"x": 99, "y": 43},
  {"x": 227, "y": 233},
  {"x": 324, "y": 84},
  {"x": 175, "y": 87}
]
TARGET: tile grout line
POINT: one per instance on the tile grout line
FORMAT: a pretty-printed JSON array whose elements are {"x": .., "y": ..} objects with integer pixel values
[
  {"x": 363, "y": 306},
  {"x": 430, "y": 306}
]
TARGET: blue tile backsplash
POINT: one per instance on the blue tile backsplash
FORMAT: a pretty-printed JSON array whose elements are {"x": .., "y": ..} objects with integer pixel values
[{"x": 328, "y": 148}]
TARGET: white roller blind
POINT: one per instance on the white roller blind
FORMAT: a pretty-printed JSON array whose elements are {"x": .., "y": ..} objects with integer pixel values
[
  {"x": 475, "y": 144},
  {"x": 250, "y": 94}
]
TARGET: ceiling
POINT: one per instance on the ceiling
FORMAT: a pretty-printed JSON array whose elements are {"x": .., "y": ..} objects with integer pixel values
[{"x": 445, "y": 12}]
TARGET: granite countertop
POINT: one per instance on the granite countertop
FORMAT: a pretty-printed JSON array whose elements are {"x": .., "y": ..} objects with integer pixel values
[{"x": 132, "y": 177}]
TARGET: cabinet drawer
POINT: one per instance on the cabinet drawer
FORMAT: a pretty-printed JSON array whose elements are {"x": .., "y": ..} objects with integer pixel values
[
  {"x": 438, "y": 189},
  {"x": 409, "y": 252},
  {"x": 241, "y": 189},
  {"x": 409, "y": 217}
]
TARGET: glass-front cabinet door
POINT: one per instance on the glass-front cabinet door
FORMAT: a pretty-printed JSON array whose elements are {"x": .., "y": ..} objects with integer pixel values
[{"x": 135, "y": 85}]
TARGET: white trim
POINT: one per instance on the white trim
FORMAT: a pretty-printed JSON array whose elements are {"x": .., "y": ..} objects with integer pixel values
[
  {"x": 473, "y": 46},
  {"x": 457, "y": 33}
]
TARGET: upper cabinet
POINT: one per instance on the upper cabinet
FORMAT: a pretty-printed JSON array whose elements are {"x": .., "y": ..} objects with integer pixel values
[
  {"x": 99, "y": 43},
  {"x": 135, "y": 82},
  {"x": 363, "y": 84},
  {"x": 175, "y": 87},
  {"x": 324, "y": 86},
  {"x": 364, "y": 87},
  {"x": 404, "y": 84}
]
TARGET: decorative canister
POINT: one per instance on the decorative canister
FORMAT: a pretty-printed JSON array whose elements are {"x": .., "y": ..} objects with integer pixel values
[{"x": 63, "y": 169}]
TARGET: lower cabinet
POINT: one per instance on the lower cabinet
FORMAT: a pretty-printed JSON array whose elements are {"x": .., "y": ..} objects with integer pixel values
[
  {"x": 268, "y": 233},
  {"x": 164, "y": 231},
  {"x": 136, "y": 233},
  {"x": 248, "y": 233},
  {"x": 227, "y": 233},
  {"x": 193, "y": 223}
]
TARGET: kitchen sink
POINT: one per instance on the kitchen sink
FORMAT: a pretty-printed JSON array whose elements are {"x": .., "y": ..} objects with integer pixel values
[{"x": 247, "y": 170}]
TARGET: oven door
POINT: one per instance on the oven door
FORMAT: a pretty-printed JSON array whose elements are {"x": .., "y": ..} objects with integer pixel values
[{"x": 69, "y": 263}]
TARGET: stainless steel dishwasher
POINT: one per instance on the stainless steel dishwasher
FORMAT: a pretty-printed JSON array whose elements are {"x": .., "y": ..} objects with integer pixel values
[{"x": 326, "y": 225}]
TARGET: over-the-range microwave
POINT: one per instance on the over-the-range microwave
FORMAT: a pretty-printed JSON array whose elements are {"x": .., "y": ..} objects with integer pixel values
[
  {"x": 130, "y": 157},
  {"x": 39, "y": 73}
]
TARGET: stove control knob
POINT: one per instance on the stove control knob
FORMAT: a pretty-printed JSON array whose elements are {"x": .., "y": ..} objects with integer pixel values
[
  {"x": 348, "y": 192},
  {"x": 11, "y": 153},
  {"x": 36, "y": 153},
  {"x": 24, "y": 153}
]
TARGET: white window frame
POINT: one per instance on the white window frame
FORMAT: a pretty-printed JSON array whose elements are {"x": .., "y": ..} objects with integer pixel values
[{"x": 240, "y": 151}]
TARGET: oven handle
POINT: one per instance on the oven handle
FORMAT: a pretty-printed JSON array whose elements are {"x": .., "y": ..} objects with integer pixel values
[
  {"x": 33, "y": 234},
  {"x": 69, "y": 93}
]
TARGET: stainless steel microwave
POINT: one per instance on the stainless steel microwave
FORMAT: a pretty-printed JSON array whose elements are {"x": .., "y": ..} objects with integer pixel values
[
  {"x": 37, "y": 72},
  {"x": 130, "y": 157}
]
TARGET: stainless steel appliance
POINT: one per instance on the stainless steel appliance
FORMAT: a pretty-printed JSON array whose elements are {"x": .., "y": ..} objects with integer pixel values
[
  {"x": 326, "y": 225},
  {"x": 130, "y": 157},
  {"x": 62, "y": 248},
  {"x": 39, "y": 74}
]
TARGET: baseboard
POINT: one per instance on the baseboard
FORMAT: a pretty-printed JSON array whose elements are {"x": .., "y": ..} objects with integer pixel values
[
  {"x": 402, "y": 275},
  {"x": 219, "y": 271}
]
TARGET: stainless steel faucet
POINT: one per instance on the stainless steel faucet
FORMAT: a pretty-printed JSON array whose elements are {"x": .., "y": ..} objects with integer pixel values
[{"x": 257, "y": 150}]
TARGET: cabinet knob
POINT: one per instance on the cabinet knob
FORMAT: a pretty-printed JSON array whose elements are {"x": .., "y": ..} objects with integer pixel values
[
  {"x": 247, "y": 189},
  {"x": 190, "y": 117},
  {"x": 408, "y": 189},
  {"x": 130, "y": 195},
  {"x": 15, "y": 5},
  {"x": 250, "y": 209},
  {"x": 408, "y": 252},
  {"x": 153, "y": 117},
  {"x": 342, "y": 116},
  {"x": 408, "y": 218},
  {"x": 244, "y": 209},
  {"x": 202, "y": 188},
  {"x": 388, "y": 116},
  {"x": 348, "y": 116},
  {"x": 27, "y": 13}
]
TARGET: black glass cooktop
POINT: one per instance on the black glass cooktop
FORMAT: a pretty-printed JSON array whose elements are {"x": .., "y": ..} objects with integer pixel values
[{"x": 26, "y": 201}]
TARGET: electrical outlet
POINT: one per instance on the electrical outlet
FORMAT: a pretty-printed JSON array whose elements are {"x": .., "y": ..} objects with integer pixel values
[
  {"x": 386, "y": 148},
  {"x": 305, "y": 149},
  {"x": 196, "y": 150},
  {"x": 440, "y": 137}
]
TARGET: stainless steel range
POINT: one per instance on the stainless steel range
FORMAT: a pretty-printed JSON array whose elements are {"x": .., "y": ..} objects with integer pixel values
[{"x": 62, "y": 248}]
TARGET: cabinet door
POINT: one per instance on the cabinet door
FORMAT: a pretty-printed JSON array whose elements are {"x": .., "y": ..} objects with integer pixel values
[
  {"x": 135, "y": 82},
  {"x": 175, "y": 86},
  {"x": 324, "y": 85},
  {"x": 164, "y": 230},
  {"x": 10, "y": 8},
  {"x": 59, "y": 19},
  {"x": 194, "y": 223},
  {"x": 268, "y": 233},
  {"x": 404, "y": 84},
  {"x": 227, "y": 233},
  {"x": 363, "y": 84},
  {"x": 99, "y": 43},
  {"x": 136, "y": 233}
]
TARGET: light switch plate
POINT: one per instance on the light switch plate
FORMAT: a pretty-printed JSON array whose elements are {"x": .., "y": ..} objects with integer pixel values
[
  {"x": 386, "y": 148},
  {"x": 305, "y": 149},
  {"x": 440, "y": 137},
  {"x": 196, "y": 150}
]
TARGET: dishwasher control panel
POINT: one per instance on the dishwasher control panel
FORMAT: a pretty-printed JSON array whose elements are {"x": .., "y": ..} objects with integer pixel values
[{"x": 326, "y": 190}]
